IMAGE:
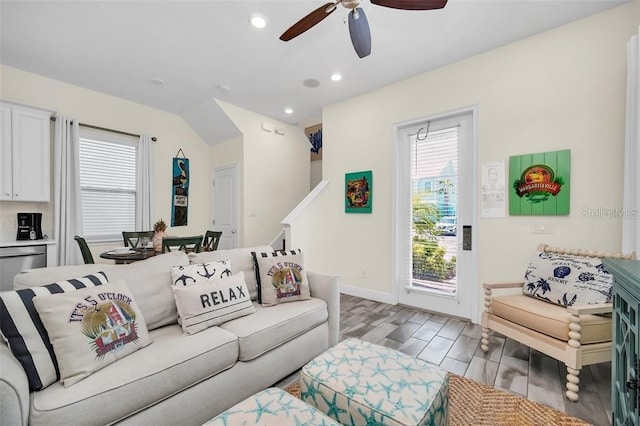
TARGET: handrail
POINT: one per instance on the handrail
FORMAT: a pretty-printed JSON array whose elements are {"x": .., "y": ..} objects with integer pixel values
[
  {"x": 302, "y": 205},
  {"x": 298, "y": 210}
]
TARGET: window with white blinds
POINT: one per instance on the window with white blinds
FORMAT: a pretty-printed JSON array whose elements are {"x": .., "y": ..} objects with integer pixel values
[
  {"x": 107, "y": 184},
  {"x": 434, "y": 167}
]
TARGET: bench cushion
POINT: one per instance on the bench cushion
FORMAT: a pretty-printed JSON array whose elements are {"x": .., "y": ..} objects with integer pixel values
[
  {"x": 272, "y": 406},
  {"x": 272, "y": 326},
  {"x": 552, "y": 320}
]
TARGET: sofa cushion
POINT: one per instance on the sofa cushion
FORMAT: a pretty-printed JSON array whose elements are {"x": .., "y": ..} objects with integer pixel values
[
  {"x": 150, "y": 283},
  {"x": 212, "y": 302},
  {"x": 241, "y": 260},
  {"x": 567, "y": 280},
  {"x": 272, "y": 326},
  {"x": 27, "y": 337},
  {"x": 549, "y": 319},
  {"x": 281, "y": 277},
  {"x": 92, "y": 327},
  {"x": 172, "y": 363}
]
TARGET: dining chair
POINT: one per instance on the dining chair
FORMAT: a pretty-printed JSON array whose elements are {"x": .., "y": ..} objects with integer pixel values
[
  {"x": 211, "y": 240},
  {"x": 137, "y": 239},
  {"x": 84, "y": 249},
  {"x": 186, "y": 244}
]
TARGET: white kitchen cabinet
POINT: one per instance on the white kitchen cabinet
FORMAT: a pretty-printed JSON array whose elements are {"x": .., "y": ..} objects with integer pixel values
[{"x": 25, "y": 145}]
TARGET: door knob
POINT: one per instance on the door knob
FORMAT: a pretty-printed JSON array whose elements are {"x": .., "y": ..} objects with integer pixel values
[{"x": 233, "y": 231}]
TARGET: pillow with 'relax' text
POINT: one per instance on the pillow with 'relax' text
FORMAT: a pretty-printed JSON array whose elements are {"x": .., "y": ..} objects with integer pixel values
[{"x": 212, "y": 302}]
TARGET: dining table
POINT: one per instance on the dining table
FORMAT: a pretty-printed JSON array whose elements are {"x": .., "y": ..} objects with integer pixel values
[{"x": 130, "y": 256}]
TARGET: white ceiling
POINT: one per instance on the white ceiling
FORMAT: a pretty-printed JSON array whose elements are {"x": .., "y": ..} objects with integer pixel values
[{"x": 116, "y": 47}]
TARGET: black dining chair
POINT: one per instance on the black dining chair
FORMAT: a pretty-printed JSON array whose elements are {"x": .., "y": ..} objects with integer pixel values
[
  {"x": 84, "y": 249},
  {"x": 186, "y": 244},
  {"x": 211, "y": 240},
  {"x": 137, "y": 239}
]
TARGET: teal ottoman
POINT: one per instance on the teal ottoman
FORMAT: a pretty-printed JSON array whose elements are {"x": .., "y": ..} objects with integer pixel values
[
  {"x": 272, "y": 406},
  {"x": 358, "y": 383}
]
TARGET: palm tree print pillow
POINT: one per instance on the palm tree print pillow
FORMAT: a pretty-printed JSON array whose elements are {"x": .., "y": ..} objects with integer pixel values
[{"x": 567, "y": 280}]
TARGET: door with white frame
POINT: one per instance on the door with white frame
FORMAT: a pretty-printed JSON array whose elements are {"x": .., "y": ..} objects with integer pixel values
[
  {"x": 435, "y": 177},
  {"x": 224, "y": 207}
]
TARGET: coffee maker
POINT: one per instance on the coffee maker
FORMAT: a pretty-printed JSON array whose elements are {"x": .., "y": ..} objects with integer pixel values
[{"x": 29, "y": 226}]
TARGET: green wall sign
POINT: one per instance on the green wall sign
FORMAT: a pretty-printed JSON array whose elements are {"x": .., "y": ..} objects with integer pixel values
[{"x": 540, "y": 183}]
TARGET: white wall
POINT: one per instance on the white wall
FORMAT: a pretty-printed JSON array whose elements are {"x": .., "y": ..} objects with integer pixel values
[
  {"x": 563, "y": 89},
  {"x": 275, "y": 173},
  {"x": 90, "y": 107}
]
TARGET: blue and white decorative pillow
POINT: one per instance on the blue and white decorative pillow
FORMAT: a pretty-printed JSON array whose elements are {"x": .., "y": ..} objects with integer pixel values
[
  {"x": 567, "y": 280},
  {"x": 185, "y": 275},
  {"x": 23, "y": 329}
]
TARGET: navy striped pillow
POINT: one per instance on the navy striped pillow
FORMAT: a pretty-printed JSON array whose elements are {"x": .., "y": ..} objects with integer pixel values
[
  {"x": 256, "y": 268},
  {"x": 28, "y": 339}
]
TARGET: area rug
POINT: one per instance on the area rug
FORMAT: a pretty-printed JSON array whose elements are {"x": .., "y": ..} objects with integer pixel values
[{"x": 472, "y": 403}]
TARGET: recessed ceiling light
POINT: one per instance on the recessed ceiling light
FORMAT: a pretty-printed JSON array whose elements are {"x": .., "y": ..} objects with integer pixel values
[
  {"x": 336, "y": 76},
  {"x": 258, "y": 21},
  {"x": 157, "y": 81},
  {"x": 288, "y": 111}
]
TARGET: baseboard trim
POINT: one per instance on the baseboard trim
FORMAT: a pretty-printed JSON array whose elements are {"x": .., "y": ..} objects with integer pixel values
[{"x": 365, "y": 293}]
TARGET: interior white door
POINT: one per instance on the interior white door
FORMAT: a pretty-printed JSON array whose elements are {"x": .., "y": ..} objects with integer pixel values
[
  {"x": 225, "y": 205},
  {"x": 435, "y": 181}
]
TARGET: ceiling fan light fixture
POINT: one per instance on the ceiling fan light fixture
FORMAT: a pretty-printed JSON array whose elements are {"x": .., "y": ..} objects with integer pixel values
[{"x": 258, "y": 21}]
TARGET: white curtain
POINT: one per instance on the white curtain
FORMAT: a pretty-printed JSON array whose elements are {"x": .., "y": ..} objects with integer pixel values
[
  {"x": 631, "y": 191},
  {"x": 144, "y": 182},
  {"x": 66, "y": 189}
]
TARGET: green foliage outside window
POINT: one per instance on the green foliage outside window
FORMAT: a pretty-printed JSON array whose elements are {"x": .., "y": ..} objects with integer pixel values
[{"x": 428, "y": 256}]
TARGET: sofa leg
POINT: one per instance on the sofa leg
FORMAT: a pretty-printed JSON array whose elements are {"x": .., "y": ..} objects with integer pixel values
[
  {"x": 484, "y": 342},
  {"x": 572, "y": 384}
]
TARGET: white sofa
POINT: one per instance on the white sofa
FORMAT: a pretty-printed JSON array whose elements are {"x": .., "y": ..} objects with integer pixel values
[{"x": 177, "y": 379}]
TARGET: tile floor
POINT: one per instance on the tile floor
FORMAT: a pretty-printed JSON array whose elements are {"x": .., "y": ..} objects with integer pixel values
[{"x": 454, "y": 344}]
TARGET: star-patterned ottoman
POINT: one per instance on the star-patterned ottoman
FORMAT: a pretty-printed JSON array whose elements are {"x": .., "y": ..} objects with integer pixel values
[
  {"x": 359, "y": 383},
  {"x": 272, "y": 406}
]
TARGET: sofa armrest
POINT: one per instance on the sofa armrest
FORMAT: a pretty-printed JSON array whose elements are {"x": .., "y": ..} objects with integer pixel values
[
  {"x": 596, "y": 308},
  {"x": 327, "y": 288},
  {"x": 14, "y": 389},
  {"x": 495, "y": 286}
]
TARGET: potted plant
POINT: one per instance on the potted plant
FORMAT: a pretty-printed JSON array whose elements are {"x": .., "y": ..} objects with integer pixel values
[{"x": 159, "y": 227}]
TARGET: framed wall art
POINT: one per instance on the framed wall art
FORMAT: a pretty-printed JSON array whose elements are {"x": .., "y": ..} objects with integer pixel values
[
  {"x": 180, "y": 191},
  {"x": 358, "y": 191},
  {"x": 540, "y": 183}
]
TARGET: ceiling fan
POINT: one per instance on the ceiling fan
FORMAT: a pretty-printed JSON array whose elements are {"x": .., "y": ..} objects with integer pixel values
[{"x": 358, "y": 24}]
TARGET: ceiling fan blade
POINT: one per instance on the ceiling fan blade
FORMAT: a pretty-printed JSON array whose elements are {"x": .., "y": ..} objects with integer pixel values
[
  {"x": 359, "y": 32},
  {"x": 411, "y": 4},
  {"x": 308, "y": 21}
]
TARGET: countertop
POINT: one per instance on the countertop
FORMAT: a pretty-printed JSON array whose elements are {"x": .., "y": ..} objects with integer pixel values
[{"x": 23, "y": 243}]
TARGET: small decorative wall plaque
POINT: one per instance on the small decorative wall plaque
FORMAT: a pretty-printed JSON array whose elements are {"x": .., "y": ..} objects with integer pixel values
[
  {"x": 540, "y": 183},
  {"x": 180, "y": 190},
  {"x": 358, "y": 192}
]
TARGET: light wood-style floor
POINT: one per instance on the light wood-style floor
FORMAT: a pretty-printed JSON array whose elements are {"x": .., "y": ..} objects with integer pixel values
[{"x": 454, "y": 344}]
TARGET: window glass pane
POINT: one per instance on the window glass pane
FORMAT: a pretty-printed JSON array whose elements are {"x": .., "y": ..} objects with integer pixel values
[
  {"x": 107, "y": 184},
  {"x": 107, "y": 165}
]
